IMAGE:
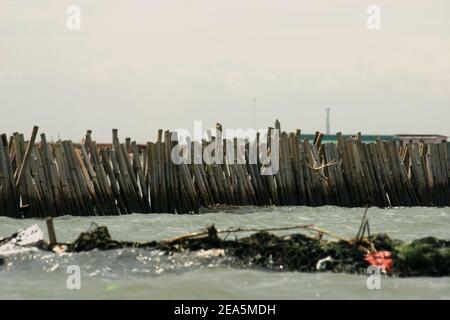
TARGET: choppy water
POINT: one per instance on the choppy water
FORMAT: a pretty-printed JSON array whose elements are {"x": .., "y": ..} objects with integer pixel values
[{"x": 140, "y": 274}]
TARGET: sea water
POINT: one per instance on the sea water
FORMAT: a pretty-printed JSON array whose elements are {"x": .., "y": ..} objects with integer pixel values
[{"x": 144, "y": 274}]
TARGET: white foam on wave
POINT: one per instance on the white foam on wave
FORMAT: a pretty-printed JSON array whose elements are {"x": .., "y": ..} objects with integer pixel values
[{"x": 22, "y": 241}]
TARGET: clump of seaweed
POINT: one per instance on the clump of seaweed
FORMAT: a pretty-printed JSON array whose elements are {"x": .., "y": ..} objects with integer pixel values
[
  {"x": 98, "y": 237},
  {"x": 293, "y": 252},
  {"x": 423, "y": 257}
]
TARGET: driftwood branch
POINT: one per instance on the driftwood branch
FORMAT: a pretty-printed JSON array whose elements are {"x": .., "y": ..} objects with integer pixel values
[
  {"x": 309, "y": 227},
  {"x": 316, "y": 169}
]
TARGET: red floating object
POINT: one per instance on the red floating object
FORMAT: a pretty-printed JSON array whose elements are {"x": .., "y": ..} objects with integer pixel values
[{"x": 381, "y": 259}]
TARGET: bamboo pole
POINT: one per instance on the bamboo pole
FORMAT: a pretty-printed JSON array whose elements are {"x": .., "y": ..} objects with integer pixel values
[{"x": 26, "y": 158}]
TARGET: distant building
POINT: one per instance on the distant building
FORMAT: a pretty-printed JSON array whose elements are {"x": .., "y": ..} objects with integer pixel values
[
  {"x": 367, "y": 138},
  {"x": 417, "y": 138},
  {"x": 331, "y": 138}
]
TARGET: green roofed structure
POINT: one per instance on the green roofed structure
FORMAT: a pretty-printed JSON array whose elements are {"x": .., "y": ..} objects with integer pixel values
[
  {"x": 367, "y": 138},
  {"x": 332, "y": 138}
]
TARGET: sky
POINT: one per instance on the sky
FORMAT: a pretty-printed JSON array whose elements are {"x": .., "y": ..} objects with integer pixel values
[{"x": 140, "y": 65}]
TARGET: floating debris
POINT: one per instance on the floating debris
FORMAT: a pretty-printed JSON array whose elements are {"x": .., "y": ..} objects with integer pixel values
[
  {"x": 24, "y": 240},
  {"x": 293, "y": 252}
]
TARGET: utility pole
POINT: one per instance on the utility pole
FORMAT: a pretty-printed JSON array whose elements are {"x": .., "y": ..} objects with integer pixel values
[{"x": 328, "y": 120}]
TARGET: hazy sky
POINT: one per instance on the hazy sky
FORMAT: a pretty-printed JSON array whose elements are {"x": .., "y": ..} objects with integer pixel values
[{"x": 143, "y": 65}]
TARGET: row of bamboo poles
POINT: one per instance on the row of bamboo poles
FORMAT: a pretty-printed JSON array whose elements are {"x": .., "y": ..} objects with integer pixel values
[{"x": 62, "y": 178}]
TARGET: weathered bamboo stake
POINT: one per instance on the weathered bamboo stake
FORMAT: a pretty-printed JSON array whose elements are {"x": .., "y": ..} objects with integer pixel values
[
  {"x": 358, "y": 174},
  {"x": 289, "y": 175},
  {"x": 261, "y": 182},
  {"x": 294, "y": 140},
  {"x": 9, "y": 198},
  {"x": 84, "y": 182},
  {"x": 239, "y": 177},
  {"x": 94, "y": 161},
  {"x": 230, "y": 160},
  {"x": 93, "y": 200},
  {"x": 306, "y": 173},
  {"x": 208, "y": 168},
  {"x": 155, "y": 199},
  {"x": 433, "y": 172},
  {"x": 212, "y": 183},
  {"x": 117, "y": 176},
  {"x": 414, "y": 198},
  {"x": 60, "y": 205},
  {"x": 5, "y": 195},
  {"x": 318, "y": 139},
  {"x": 345, "y": 168},
  {"x": 197, "y": 155},
  {"x": 227, "y": 174},
  {"x": 241, "y": 167},
  {"x": 161, "y": 172},
  {"x": 448, "y": 162},
  {"x": 168, "y": 172},
  {"x": 403, "y": 185},
  {"x": 39, "y": 184},
  {"x": 316, "y": 177},
  {"x": 26, "y": 158},
  {"x": 219, "y": 179},
  {"x": 71, "y": 204},
  {"x": 50, "y": 173},
  {"x": 385, "y": 178},
  {"x": 33, "y": 205},
  {"x": 17, "y": 156},
  {"x": 280, "y": 177},
  {"x": 103, "y": 202},
  {"x": 104, "y": 160},
  {"x": 252, "y": 169},
  {"x": 378, "y": 175},
  {"x": 442, "y": 147},
  {"x": 419, "y": 175},
  {"x": 105, "y": 183},
  {"x": 365, "y": 177},
  {"x": 134, "y": 186},
  {"x": 140, "y": 174},
  {"x": 388, "y": 180},
  {"x": 127, "y": 144},
  {"x": 220, "y": 169},
  {"x": 322, "y": 183},
  {"x": 7, "y": 148},
  {"x": 122, "y": 170},
  {"x": 74, "y": 181},
  {"x": 185, "y": 205},
  {"x": 195, "y": 168},
  {"x": 189, "y": 188},
  {"x": 340, "y": 186},
  {"x": 401, "y": 197},
  {"x": 330, "y": 173},
  {"x": 345, "y": 199},
  {"x": 179, "y": 188},
  {"x": 51, "y": 231},
  {"x": 374, "y": 170}
]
